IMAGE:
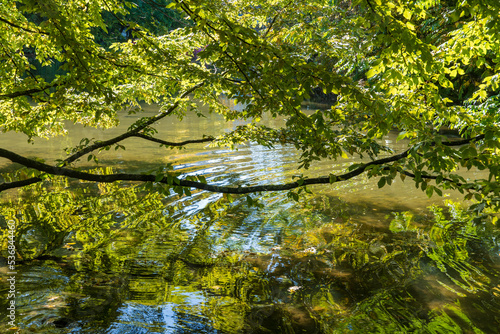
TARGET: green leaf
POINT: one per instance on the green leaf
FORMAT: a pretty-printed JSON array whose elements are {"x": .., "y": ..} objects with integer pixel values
[
  {"x": 407, "y": 14},
  {"x": 381, "y": 182},
  {"x": 429, "y": 191},
  {"x": 372, "y": 72},
  {"x": 179, "y": 190}
]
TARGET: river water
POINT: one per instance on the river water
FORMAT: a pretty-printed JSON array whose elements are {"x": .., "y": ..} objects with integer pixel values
[{"x": 347, "y": 257}]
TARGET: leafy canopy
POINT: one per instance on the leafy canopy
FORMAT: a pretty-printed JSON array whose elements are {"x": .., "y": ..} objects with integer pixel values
[{"x": 417, "y": 67}]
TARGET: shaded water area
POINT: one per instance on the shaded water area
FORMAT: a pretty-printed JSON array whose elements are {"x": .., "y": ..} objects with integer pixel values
[{"x": 347, "y": 258}]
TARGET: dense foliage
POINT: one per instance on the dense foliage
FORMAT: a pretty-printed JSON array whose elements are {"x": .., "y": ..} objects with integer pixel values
[
  {"x": 110, "y": 239},
  {"x": 420, "y": 67}
]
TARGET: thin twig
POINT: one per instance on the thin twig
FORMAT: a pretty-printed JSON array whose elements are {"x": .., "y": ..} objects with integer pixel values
[{"x": 169, "y": 143}]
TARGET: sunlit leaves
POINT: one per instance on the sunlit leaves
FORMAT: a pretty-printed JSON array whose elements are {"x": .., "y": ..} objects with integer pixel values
[{"x": 419, "y": 67}]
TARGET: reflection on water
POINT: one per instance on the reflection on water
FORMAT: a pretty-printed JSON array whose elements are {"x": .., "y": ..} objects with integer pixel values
[{"x": 347, "y": 258}]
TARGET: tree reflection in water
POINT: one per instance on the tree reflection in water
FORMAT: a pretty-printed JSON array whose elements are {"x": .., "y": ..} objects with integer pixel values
[{"x": 92, "y": 264}]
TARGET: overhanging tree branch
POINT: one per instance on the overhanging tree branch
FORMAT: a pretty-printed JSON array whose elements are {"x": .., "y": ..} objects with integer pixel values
[
  {"x": 169, "y": 143},
  {"x": 22, "y": 28},
  {"x": 132, "y": 132},
  {"x": 101, "y": 144},
  {"x": 28, "y": 92},
  {"x": 63, "y": 171},
  {"x": 196, "y": 18}
]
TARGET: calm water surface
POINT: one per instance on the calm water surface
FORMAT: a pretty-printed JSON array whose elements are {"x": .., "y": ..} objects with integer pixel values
[{"x": 348, "y": 258}]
